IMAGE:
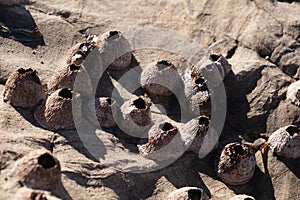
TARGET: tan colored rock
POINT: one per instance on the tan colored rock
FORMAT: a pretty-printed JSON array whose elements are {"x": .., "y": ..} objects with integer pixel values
[
  {"x": 293, "y": 93},
  {"x": 57, "y": 113},
  {"x": 30, "y": 194},
  {"x": 23, "y": 88},
  {"x": 236, "y": 164},
  {"x": 188, "y": 193},
  {"x": 286, "y": 142}
]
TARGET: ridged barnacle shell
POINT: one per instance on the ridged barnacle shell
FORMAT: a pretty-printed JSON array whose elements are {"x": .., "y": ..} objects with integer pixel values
[
  {"x": 56, "y": 113},
  {"x": 65, "y": 78},
  {"x": 197, "y": 95},
  {"x": 293, "y": 93},
  {"x": 286, "y": 142},
  {"x": 163, "y": 143},
  {"x": 236, "y": 164},
  {"x": 160, "y": 78},
  {"x": 103, "y": 108},
  {"x": 37, "y": 170},
  {"x": 136, "y": 115},
  {"x": 12, "y": 2},
  {"x": 188, "y": 193},
  {"x": 23, "y": 89},
  {"x": 197, "y": 137},
  {"x": 115, "y": 49},
  {"x": 30, "y": 194},
  {"x": 215, "y": 70},
  {"x": 242, "y": 197}
]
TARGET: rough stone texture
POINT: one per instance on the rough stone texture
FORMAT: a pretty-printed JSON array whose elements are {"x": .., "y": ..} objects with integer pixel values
[{"x": 259, "y": 38}]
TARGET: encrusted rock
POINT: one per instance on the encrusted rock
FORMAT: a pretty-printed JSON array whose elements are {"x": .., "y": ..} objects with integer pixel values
[
  {"x": 286, "y": 142},
  {"x": 188, "y": 193},
  {"x": 242, "y": 197},
  {"x": 23, "y": 88},
  {"x": 160, "y": 78},
  {"x": 102, "y": 107},
  {"x": 115, "y": 50},
  {"x": 237, "y": 164},
  {"x": 163, "y": 143},
  {"x": 37, "y": 170},
  {"x": 56, "y": 113},
  {"x": 293, "y": 93},
  {"x": 30, "y": 194}
]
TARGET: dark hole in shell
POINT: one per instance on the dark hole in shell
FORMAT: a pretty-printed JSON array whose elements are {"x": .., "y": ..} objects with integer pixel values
[
  {"x": 46, "y": 161},
  {"x": 298, "y": 94},
  {"x": 139, "y": 103},
  {"x": 65, "y": 93},
  {"x": 203, "y": 121},
  {"x": 113, "y": 33},
  {"x": 200, "y": 81},
  {"x": 109, "y": 101},
  {"x": 195, "y": 194},
  {"x": 74, "y": 67},
  {"x": 163, "y": 64},
  {"x": 167, "y": 126},
  {"x": 239, "y": 150},
  {"x": 292, "y": 130},
  {"x": 214, "y": 57},
  {"x": 24, "y": 71},
  {"x": 248, "y": 198}
]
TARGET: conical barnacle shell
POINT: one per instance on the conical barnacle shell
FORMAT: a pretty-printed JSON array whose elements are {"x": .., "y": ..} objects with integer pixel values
[
  {"x": 197, "y": 96},
  {"x": 293, "y": 93},
  {"x": 65, "y": 78},
  {"x": 30, "y": 194},
  {"x": 242, "y": 197},
  {"x": 11, "y": 2},
  {"x": 160, "y": 78},
  {"x": 196, "y": 135},
  {"x": 23, "y": 88},
  {"x": 163, "y": 143},
  {"x": 136, "y": 116},
  {"x": 56, "y": 113},
  {"x": 37, "y": 170},
  {"x": 115, "y": 50},
  {"x": 237, "y": 164},
  {"x": 286, "y": 142},
  {"x": 215, "y": 69},
  {"x": 103, "y": 107},
  {"x": 188, "y": 193}
]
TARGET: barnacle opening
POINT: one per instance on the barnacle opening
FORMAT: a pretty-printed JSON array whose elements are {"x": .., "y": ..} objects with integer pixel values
[
  {"x": 239, "y": 150},
  {"x": 200, "y": 81},
  {"x": 46, "y": 161},
  {"x": 248, "y": 198},
  {"x": 166, "y": 126},
  {"x": 74, "y": 67},
  {"x": 112, "y": 33},
  {"x": 24, "y": 71},
  {"x": 214, "y": 57},
  {"x": 139, "y": 103},
  {"x": 109, "y": 101},
  {"x": 298, "y": 94},
  {"x": 163, "y": 64},
  {"x": 292, "y": 130},
  {"x": 195, "y": 194},
  {"x": 203, "y": 121},
  {"x": 65, "y": 93}
]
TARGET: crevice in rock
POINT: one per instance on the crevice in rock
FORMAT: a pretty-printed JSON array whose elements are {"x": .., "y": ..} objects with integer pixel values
[{"x": 232, "y": 51}]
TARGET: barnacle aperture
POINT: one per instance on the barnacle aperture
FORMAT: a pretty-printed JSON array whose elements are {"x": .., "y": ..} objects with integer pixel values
[
  {"x": 188, "y": 193},
  {"x": 23, "y": 88}
]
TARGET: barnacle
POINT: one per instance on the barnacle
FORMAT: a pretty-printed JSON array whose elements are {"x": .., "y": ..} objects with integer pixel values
[
  {"x": 115, "y": 50},
  {"x": 293, "y": 93},
  {"x": 188, "y": 193},
  {"x": 236, "y": 164},
  {"x": 37, "y": 170},
  {"x": 23, "y": 88},
  {"x": 56, "y": 112},
  {"x": 160, "y": 78},
  {"x": 31, "y": 194},
  {"x": 286, "y": 142}
]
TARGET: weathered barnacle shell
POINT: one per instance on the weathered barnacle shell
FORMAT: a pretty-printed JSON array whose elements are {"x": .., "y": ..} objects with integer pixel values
[
  {"x": 197, "y": 95},
  {"x": 293, "y": 93},
  {"x": 23, "y": 88},
  {"x": 196, "y": 132},
  {"x": 103, "y": 108},
  {"x": 286, "y": 142},
  {"x": 136, "y": 116},
  {"x": 56, "y": 112},
  {"x": 160, "y": 78},
  {"x": 163, "y": 143},
  {"x": 188, "y": 193},
  {"x": 115, "y": 49},
  {"x": 12, "y": 2},
  {"x": 242, "y": 197},
  {"x": 37, "y": 170},
  {"x": 236, "y": 164},
  {"x": 31, "y": 194},
  {"x": 65, "y": 78},
  {"x": 215, "y": 69}
]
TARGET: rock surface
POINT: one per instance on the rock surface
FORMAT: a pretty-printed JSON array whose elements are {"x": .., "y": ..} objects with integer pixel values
[{"x": 260, "y": 39}]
